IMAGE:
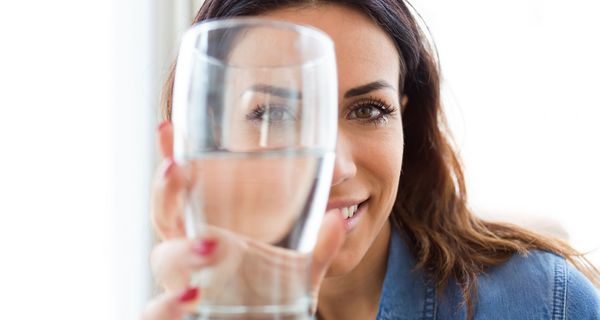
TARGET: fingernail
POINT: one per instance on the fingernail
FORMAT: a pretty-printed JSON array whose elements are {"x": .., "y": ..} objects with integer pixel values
[
  {"x": 188, "y": 295},
  {"x": 168, "y": 167},
  {"x": 204, "y": 247},
  {"x": 162, "y": 125}
]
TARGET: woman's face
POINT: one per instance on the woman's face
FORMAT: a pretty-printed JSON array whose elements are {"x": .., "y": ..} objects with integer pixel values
[{"x": 370, "y": 141}]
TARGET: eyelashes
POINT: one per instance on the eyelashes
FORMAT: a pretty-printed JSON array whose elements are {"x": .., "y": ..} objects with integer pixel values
[
  {"x": 272, "y": 113},
  {"x": 370, "y": 111},
  {"x": 373, "y": 111}
]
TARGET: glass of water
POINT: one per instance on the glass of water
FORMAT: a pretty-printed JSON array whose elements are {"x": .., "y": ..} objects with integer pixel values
[{"x": 255, "y": 123}]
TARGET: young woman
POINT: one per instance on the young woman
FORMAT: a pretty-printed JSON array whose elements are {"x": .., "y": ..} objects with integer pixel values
[{"x": 416, "y": 251}]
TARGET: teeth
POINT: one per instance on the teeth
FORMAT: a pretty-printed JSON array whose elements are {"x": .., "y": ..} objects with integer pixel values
[
  {"x": 346, "y": 213},
  {"x": 349, "y": 212}
]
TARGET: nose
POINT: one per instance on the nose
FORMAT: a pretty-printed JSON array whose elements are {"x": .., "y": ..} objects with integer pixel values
[{"x": 344, "y": 167}]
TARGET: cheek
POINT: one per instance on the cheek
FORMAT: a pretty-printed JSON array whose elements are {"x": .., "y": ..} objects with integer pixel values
[
  {"x": 378, "y": 157},
  {"x": 381, "y": 160}
]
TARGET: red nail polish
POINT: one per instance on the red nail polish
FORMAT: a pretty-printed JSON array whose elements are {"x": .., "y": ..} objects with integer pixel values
[
  {"x": 162, "y": 125},
  {"x": 188, "y": 295},
  {"x": 204, "y": 247},
  {"x": 168, "y": 167}
]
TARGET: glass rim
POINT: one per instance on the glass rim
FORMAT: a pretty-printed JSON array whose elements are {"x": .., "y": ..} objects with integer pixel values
[{"x": 302, "y": 29}]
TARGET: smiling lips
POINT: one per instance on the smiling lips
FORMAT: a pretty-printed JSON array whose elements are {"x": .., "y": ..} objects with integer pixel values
[
  {"x": 350, "y": 210},
  {"x": 346, "y": 208}
]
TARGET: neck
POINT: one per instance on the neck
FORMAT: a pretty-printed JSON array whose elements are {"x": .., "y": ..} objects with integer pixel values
[{"x": 356, "y": 295}]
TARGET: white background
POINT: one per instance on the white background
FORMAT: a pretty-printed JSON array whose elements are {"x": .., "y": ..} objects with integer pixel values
[
  {"x": 79, "y": 86},
  {"x": 521, "y": 89}
]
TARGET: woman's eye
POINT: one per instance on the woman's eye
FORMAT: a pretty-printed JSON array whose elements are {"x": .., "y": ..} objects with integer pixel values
[
  {"x": 272, "y": 113},
  {"x": 365, "y": 112},
  {"x": 278, "y": 114},
  {"x": 371, "y": 111}
]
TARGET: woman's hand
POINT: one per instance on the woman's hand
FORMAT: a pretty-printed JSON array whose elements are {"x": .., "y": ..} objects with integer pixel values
[{"x": 176, "y": 258}]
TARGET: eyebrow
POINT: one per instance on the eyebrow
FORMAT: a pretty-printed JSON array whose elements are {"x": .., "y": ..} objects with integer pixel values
[
  {"x": 364, "y": 89},
  {"x": 277, "y": 91},
  {"x": 294, "y": 94}
]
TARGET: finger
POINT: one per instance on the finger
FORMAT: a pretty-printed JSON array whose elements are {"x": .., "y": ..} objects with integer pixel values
[
  {"x": 174, "y": 261},
  {"x": 167, "y": 200},
  {"x": 165, "y": 139},
  {"x": 170, "y": 306},
  {"x": 331, "y": 237}
]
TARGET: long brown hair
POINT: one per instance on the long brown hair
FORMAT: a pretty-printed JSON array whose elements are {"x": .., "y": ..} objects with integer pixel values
[{"x": 431, "y": 210}]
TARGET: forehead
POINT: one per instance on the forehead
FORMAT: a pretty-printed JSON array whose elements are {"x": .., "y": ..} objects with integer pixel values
[{"x": 364, "y": 51}]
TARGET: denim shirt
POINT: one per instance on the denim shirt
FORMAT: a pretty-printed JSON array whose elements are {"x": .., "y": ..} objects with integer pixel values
[{"x": 537, "y": 286}]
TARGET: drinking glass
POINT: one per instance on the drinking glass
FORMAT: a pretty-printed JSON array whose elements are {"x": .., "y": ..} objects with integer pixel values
[{"x": 255, "y": 123}]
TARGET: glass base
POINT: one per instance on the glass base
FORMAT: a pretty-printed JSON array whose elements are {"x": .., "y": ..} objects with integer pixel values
[
  {"x": 249, "y": 316},
  {"x": 250, "y": 313}
]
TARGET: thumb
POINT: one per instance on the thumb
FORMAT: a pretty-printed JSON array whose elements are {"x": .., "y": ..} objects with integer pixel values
[{"x": 331, "y": 237}]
